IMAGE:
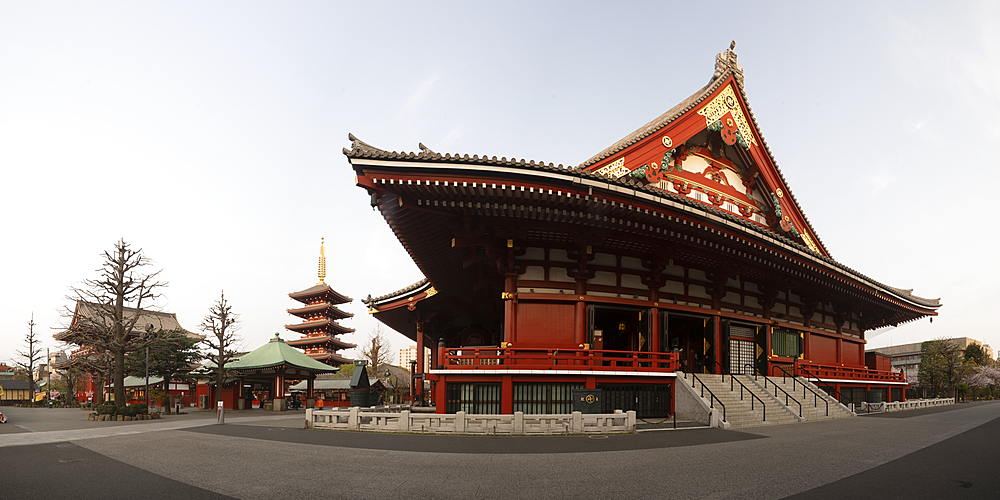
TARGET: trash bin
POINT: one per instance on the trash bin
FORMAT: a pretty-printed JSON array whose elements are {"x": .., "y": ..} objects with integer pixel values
[{"x": 50, "y": 403}]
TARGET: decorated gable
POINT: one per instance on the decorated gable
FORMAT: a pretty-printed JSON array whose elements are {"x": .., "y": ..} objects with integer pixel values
[{"x": 710, "y": 149}]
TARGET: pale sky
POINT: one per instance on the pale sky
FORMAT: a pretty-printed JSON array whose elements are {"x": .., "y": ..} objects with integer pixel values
[{"x": 210, "y": 134}]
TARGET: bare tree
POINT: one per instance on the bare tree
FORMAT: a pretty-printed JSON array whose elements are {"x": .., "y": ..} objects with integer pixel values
[
  {"x": 72, "y": 376},
  {"x": 222, "y": 323},
  {"x": 116, "y": 300},
  {"x": 31, "y": 357},
  {"x": 99, "y": 365},
  {"x": 377, "y": 350}
]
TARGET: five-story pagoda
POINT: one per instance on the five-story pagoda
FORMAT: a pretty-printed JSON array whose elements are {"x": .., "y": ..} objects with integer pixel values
[{"x": 319, "y": 327}]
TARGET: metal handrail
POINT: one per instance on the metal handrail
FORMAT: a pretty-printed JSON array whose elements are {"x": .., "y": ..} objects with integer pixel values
[
  {"x": 742, "y": 388},
  {"x": 805, "y": 387},
  {"x": 776, "y": 388},
  {"x": 713, "y": 398},
  {"x": 820, "y": 382}
]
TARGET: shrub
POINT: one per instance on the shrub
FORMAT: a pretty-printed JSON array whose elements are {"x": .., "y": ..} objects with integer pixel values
[
  {"x": 106, "y": 409},
  {"x": 139, "y": 409}
]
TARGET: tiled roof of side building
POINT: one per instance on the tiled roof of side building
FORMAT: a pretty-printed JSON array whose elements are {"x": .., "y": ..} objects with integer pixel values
[{"x": 86, "y": 311}]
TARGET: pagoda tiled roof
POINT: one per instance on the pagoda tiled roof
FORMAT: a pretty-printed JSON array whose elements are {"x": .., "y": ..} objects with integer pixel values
[
  {"x": 334, "y": 311},
  {"x": 320, "y": 323},
  {"x": 320, "y": 340},
  {"x": 321, "y": 289}
]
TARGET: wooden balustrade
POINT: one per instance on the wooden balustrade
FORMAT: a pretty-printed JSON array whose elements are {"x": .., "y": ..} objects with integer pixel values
[
  {"x": 514, "y": 358},
  {"x": 846, "y": 373}
]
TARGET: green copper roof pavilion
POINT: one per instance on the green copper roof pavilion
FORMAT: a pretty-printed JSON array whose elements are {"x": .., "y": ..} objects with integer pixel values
[{"x": 277, "y": 353}]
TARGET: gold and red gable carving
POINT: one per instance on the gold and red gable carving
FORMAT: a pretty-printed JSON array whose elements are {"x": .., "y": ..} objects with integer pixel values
[
  {"x": 697, "y": 168},
  {"x": 659, "y": 156},
  {"x": 724, "y": 105}
]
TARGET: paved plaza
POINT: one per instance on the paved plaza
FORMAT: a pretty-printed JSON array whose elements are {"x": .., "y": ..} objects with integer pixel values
[{"x": 944, "y": 452}]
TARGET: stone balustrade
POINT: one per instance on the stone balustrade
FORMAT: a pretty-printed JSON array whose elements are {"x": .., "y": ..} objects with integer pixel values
[
  {"x": 918, "y": 403},
  {"x": 358, "y": 419}
]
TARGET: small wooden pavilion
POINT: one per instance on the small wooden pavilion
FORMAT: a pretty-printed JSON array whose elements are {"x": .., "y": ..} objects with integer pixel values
[{"x": 262, "y": 376}]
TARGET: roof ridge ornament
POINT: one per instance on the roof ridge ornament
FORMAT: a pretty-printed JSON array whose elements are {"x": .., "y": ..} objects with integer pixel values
[
  {"x": 322, "y": 263},
  {"x": 726, "y": 61},
  {"x": 360, "y": 147}
]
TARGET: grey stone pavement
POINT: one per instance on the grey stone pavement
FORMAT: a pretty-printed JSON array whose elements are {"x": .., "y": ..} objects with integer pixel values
[{"x": 943, "y": 452}]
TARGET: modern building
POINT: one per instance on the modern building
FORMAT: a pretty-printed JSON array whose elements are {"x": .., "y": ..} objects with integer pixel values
[
  {"x": 679, "y": 248},
  {"x": 906, "y": 357},
  {"x": 409, "y": 355}
]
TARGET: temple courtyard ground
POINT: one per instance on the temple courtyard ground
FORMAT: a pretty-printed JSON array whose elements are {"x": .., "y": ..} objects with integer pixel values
[{"x": 946, "y": 452}]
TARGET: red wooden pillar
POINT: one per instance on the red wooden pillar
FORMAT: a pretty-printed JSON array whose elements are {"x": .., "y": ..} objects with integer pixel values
[
  {"x": 580, "y": 322},
  {"x": 507, "y": 395},
  {"x": 840, "y": 351},
  {"x": 435, "y": 359},
  {"x": 510, "y": 308},
  {"x": 418, "y": 391},
  {"x": 441, "y": 395},
  {"x": 420, "y": 348}
]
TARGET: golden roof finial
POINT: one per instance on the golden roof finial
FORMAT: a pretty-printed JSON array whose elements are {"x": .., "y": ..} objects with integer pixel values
[{"x": 322, "y": 263}]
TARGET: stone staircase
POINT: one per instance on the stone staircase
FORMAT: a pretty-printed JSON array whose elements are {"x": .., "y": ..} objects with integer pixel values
[
  {"x": 746, "y": 411},
  {"x": 814, "y": 404}
]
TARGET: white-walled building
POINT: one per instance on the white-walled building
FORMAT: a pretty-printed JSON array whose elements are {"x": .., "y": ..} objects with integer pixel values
[{"x": 410, "y": 354}]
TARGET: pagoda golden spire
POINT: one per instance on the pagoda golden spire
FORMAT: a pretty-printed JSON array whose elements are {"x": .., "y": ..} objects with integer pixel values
[{"x": 322, "y": 263}]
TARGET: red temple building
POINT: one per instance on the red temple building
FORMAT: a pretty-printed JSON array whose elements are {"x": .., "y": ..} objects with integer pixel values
[
  {"x": 680, "y": 248},
  {"x": 319, "y": 327},
  {"x": 87, "y": 358}
]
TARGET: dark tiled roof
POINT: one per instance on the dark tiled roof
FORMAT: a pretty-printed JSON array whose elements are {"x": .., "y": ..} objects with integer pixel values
[
  {"x": 397, "y": 293},
  {"x": 725, "y": 66},
  {"x": 14, "y": 385},
  {"x": 86, "y": 311}
]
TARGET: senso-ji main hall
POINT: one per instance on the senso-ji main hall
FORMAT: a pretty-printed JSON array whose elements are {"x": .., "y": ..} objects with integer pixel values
[{"x": 680, "y": 248}]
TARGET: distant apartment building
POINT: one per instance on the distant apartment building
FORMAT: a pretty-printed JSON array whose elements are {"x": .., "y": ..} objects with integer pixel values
[
  {"x": 410, "y": 354},
  {"x": 906, "y": 357}
]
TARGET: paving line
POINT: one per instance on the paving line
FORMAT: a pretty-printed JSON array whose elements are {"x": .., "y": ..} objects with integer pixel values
[{"x": 10, "y": 440}]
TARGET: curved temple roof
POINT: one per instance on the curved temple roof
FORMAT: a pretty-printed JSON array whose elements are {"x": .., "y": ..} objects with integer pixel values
[{"x": 362, "y": 154}]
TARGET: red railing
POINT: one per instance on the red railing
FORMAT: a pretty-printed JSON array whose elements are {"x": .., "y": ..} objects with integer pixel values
[
  {"x": 807, "y": 369},
  {"x": 516, "y": 358}
]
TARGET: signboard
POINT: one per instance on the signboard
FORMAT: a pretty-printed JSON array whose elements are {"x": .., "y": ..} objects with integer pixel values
[
  {"x": 220, "y": 412},
  {"x": 588, "y": 400}
]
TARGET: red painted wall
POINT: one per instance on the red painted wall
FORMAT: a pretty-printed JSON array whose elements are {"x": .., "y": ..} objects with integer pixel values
[
  {"x": 852, "y": 354},
  {"x": 545, "y": 325},
  {"x": 876, "y": 361},
  {"x": 822, "y": 349}
]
